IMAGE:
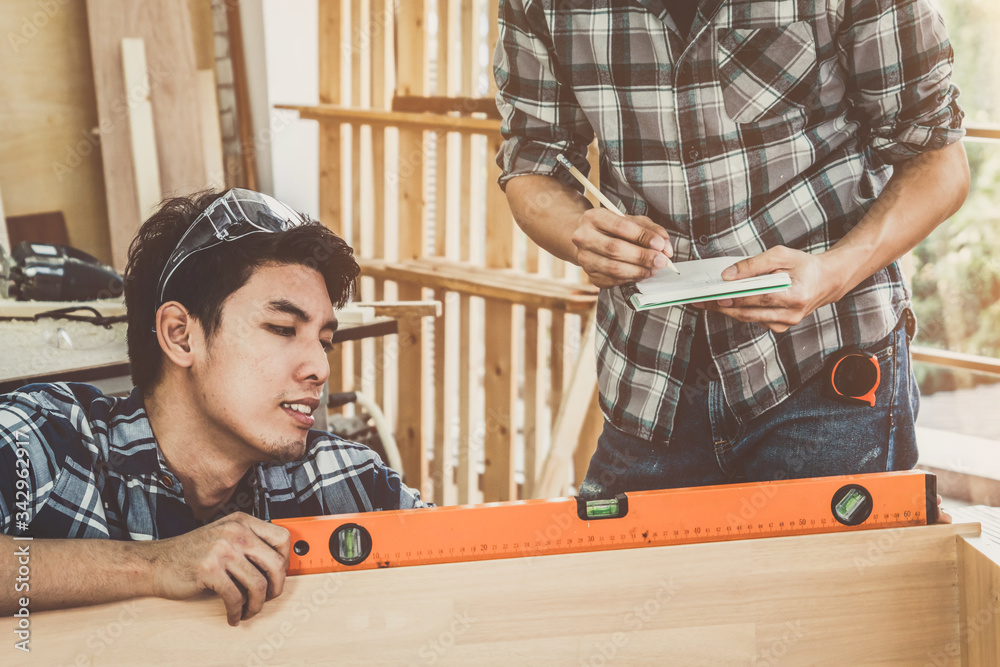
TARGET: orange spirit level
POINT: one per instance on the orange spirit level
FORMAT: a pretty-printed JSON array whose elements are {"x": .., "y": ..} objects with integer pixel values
[{"x": 639, "y": 519}]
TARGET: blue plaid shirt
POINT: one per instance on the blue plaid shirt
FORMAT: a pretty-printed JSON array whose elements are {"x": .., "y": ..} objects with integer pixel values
[
  {"x": 76, "y": 463},
  {"x": 771, "y": 122}
]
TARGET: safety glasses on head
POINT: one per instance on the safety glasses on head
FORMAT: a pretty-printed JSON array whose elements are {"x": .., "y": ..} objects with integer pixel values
[{"x": 232, "y": 216}]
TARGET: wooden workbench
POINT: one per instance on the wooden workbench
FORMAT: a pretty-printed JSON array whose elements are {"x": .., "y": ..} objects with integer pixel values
[{"x": 923, "y": 596}]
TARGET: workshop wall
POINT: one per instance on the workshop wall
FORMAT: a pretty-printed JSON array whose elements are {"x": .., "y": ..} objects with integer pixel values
[{"x": 50, "y": 160}]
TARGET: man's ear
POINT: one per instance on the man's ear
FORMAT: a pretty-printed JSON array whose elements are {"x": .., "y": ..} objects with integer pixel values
[{"x": 176, "y": 330}]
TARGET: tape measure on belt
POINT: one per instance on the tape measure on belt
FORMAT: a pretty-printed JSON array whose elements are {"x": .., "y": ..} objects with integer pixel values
[{"x": 630, "y": 520}]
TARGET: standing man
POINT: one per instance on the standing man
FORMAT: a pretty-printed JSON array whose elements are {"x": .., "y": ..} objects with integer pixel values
[{"x": 817, "y": 138}]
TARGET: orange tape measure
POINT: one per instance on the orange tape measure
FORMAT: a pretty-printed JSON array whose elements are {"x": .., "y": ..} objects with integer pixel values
[{"x": 450, "y": 534}]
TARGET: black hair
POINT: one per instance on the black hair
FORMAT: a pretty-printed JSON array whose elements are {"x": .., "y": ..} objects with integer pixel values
[{"x": 207, "y": 278}]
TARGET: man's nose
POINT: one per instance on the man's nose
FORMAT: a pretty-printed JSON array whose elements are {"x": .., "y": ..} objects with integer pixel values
[{"x": 316, "y": 365}]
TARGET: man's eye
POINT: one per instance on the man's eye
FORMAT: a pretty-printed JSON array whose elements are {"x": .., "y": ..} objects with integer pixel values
[{"x": 281, "y": 331}]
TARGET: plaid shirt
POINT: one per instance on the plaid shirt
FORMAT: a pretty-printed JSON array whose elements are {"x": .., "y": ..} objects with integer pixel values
[
  {"x": 93, "y": 470},
  {"x": 775, "y": 123}
]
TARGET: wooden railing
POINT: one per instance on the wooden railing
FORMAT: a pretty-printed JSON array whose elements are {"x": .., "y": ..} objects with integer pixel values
[
  {"x": 475, "y": 393},
  {"x": 414, "y": 192}
]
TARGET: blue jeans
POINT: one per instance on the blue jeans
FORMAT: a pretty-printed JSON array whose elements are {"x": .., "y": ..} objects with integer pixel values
[{"x": 807, "y": 435}]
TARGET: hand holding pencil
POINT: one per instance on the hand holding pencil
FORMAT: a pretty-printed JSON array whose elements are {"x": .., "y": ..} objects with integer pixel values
[{"x": 609, "y": 263}]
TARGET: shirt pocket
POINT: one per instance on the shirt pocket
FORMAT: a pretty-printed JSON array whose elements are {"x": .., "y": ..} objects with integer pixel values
[{"x": 766, "y": 72}]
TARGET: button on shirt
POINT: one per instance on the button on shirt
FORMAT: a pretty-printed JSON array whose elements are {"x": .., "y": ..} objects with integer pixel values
[
  {"x": 769, "y": 123},
  {"x": 94, "y": 470}
]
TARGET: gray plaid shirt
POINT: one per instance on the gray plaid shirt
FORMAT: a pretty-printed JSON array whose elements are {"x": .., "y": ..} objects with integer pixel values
[
  {"x": 77, "y": 463},
  {"x": 776, "y": 123}
]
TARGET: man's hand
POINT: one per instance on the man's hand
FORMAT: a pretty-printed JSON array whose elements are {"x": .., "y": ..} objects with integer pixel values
[
  {"x": 242, "y": 559},
  {"x": 815, "y": 283},
  {"x": 615, "y": 249}
]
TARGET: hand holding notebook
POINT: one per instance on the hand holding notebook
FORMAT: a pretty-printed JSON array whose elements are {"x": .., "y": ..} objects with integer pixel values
[{"x": 699, "y": 280}]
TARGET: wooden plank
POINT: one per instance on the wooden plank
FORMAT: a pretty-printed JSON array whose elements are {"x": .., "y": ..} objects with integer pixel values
[
  {"x": 380, "y": 221},
  {"x": 441, "y": 104},
  {"x": 172, "y": 79},
  {"x": 869, "y": 597},
  {"x": 501, "y": 284},
  {"x": 979, "y": 597},
  {"x": 500, "y": 391},
  {"x": 330, "y": 20},
  {"x": 410, "y": 80},
  {"x": 590, "y": 431},
  {"x": 401, "y": 119},
  {"x": 382, "y": 56},
  {"x": 440, "y": 468},
  {"x": 331, "y": 211},
  {"x": 211, "y": 131},
  {"x": 500, "y": 383},
  {"x": 531, "y": 400},
  {"x": 569, "y": 421},
  {"x": 142, "y": 134},
  {"x": 241, "y": 89},
  {"x": 557, "y": 359},
  {"x": 468, "y": 452}
]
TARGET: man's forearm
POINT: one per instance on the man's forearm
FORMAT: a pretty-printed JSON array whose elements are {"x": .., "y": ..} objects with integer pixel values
[
  {"x": 922, "y": 193},
  {"x": 548, "y": 211},
  {"x": 55, "y": 574}
]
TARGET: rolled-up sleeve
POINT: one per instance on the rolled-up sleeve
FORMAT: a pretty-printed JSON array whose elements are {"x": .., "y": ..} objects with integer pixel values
[
  {"x": 541, "y": 116},
  {"x": 899, "y": 63}
]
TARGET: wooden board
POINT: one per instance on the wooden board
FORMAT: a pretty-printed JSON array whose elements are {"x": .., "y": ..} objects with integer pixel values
[
  {"x": 165, "y": 28},
  {"x": 142, "y": 134},
  {"x": 875, "y": 597}
]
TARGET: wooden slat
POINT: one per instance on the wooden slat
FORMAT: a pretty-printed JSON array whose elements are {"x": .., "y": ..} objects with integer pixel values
[
  {"x": 440, "y": 467},
  {"x": 557, "y": 360},
  {"x": 241, "y": 88},
  {"x": 500, "y": 383},
  {"x": 171, "y": 62},
  {"x": 503, "y": 284},
  {"x": 531, "y": 402},
  {"x": 971, "y": 362},
  {"x": 982, "y": 132},
  {"x": 142, "y": 135},
  {"x": 401, "y": 119},
  {"x": 411, "y": 64},
  {"x": 590, "y": 430},
  {"x": 331, "y": 211},
  {"x": 468, "y": 483},
  {"x": 878, "y": 597},
  {"x": 380, "y": 221},
  {"x": 569, "y": 420},
  {"x": 360, "y": 77},
  {"x": 211, "y": 131},
  {"x": 447, "y": 104}
]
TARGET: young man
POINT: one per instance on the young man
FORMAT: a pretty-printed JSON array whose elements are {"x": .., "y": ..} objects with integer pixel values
[
  {"x": 168, "y": 492},
  {"x": 817, "y": 138}
]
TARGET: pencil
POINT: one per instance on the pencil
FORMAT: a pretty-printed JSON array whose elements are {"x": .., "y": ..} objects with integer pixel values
[{"x": 592, "y": 189}]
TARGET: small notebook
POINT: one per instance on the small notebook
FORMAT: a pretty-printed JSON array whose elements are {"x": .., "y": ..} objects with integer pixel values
[{"x": 699, "y": 280}]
